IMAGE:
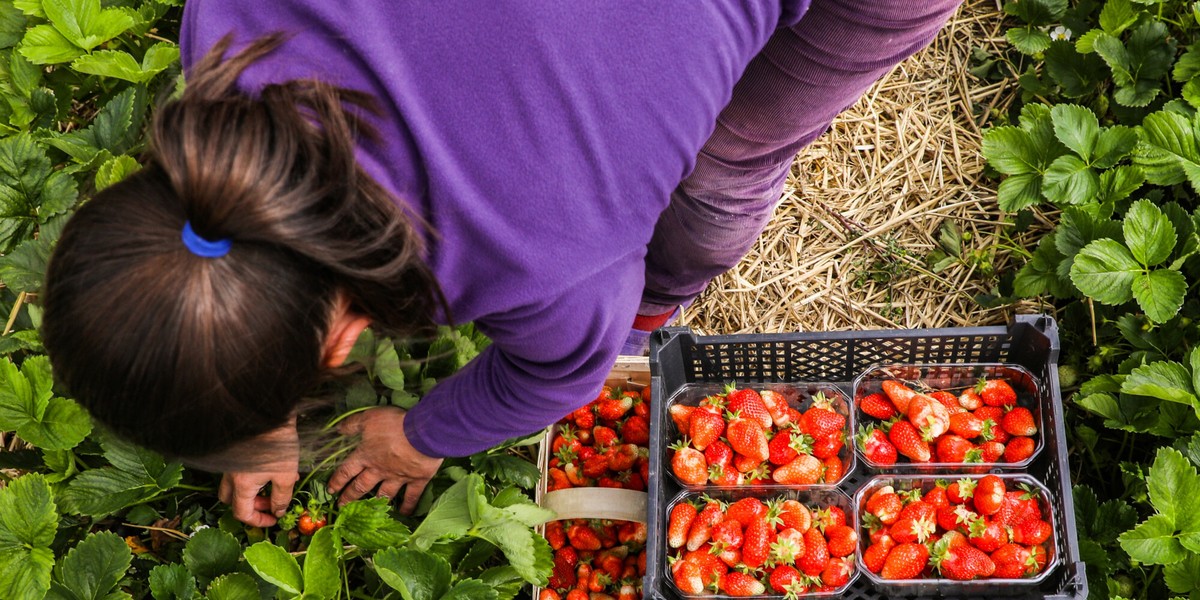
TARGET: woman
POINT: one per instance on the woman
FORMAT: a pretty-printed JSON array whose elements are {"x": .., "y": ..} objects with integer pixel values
[{"x": 551, "y": 171}]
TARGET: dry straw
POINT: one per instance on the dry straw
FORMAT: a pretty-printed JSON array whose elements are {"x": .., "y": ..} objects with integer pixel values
[{"x": 864, "y": 206}]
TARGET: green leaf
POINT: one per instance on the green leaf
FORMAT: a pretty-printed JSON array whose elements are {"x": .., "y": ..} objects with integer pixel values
[
  {"x": 1011, "y": 150},
  {"x": 507, "y": 469},
  {"x": 276, "y": 566},
  {"x": 416, "y": 575},
  {"x": 28, "y": 408},
  {"x": 387, "y": 367},
  {"x": 1164, "y": 380},
  {"x": 12, "y": 25},
  {"x": 1036, "y": 12},
  {"x": 471, "y": 589},
  {"x": 1077, "y": 74},
  {"x": 505, "y": 580},
  {"x": 1153, "y": 542},
  {"x": 136, "y": 475},
  {"x": 1077, "y": 128},
  {"x": 450, "y": 516},
  {"x": 1040, "y": 275},
  {"x": 235, "y": 586},
  {"x": 62, "y": 427},
  {"x": 1077, "y": 228},
  {"x": 114, "y": 170},
  {"x": 1118, "y": 183},
  {"x": 119, "y": 64},
  {"x": 1019, "y": 192},
  {"x": 92, "y": 569},
  {"x": 526, "y": 551},
  {"x": 1105, "y": 270},
  {"x": 1028, "y": 40},
  {"x": 1168, "y": 153},
  {"x": 1188, "y": 65},
  {"x": 1113, "y": 144},
  {"x": 30, "y": 191},
  {"x": 1148, "y": 233},
  {"x": 1183, "y": 577},
  {"x": 27, "y": 525},
  {"x": 211, "y": 553},
  {"x": 1069, "y": 180},
  {"x": 322, "y": 577},
  {"x": 84, "y": 23},
  {"x": 1174, "y": 489},
  {"x": 44, "y": 45},
  {"x": 1117, "y": 16},
  {"x": 367, "y": 524},
  {"x": 173, "y": 582},
  {"x": 1160, "y": 293},
  {"x": 1194, "y": 364},
  {"x": 24, "y": 268}
]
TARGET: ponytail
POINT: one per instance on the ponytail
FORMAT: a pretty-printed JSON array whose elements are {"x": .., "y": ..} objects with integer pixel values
[{"x": 188, "y": 354}]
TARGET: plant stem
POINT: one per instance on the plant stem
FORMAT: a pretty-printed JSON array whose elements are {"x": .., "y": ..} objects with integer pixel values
[{"x": 193, "y": 488}]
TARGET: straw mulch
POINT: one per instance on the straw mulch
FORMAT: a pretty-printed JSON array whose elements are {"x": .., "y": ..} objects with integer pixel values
[{"x": 864, "y": 205}]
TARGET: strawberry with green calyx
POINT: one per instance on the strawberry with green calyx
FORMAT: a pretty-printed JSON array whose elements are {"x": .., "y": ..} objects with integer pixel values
[
  {"x": 996, "y": 392},
  {"x": 724, "y": 476},
  {"x": 905, "y": 561},
  {"x": 805, "y": 469},
  {"x": 1013, "y": 561},
  {"x": 987, "y": 535},
  {"x": 877, "y": 405},
  {"x": 746, "y": 510},
  {"x": 816, "y": 553},
  {"x": 961, "y": 563},
  {"x": 966, "y": 425},
  {"x": 701, "y": 529},
  {"x": 756, "y": 544},
  {"x": 614, "y": 409},
  {"x": 737, "y": 583},
  {"x": 876, "y": 446},
  {"x": 681, "y": 415},
  {"x": 787, "y": 547},
  {"x": 749, "y": 404},
  {"x": 719, "y": 453},
  {"x": 992, "y": 451},
  {"x": 688, "y": 464},
  {"x": 706, "y": 427},
  {"x": 954, "y": 449},
  {"x": 783, "y": 577},
  {"x": 747, "y": 438},
  {"x": 1019, "y": 421},
  {"x": 820, "y": 420},
  {"x": 793, "y": 514},
  {"x": 727, "y": 533},
  {"x": 900, "y": 395},
  {"x": 623, "y": 457},
  {"x": 1019, "y": 449},
  {"x": 885, "y": 505},
  {"x": 909, "y": 441},
  {"x": 837, "y": 572},
  {"x": 687, "y": 578},
  {"x": 929, "y": 416}
]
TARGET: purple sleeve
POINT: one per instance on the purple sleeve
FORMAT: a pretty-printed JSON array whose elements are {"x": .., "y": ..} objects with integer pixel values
[{"x": 541, "y": 365}]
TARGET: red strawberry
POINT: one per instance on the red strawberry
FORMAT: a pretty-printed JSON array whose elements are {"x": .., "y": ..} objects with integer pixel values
[
  {"x": 701, "y": 529},
  {"x": 970, "y": 400},
  {"x": 628, "y": 591},
  {"x": 804, "y": 470},
  {"x": 556, "y": 535},
  {"x": 604, "y": 436},
  {"x": 584, "y": 417},
  {"x": 794, "y": 515},
  {"x": 724, "y": 476},
  {"x": 898, "y": 393},
  {"x": 962, "y": 563},
  {"x": 996, "y": 392},
  {"x": 905, "y": 561},
  {"x": 950, "y": 401},
  {"x": 636, "y": 430},
  {"x": 631, "y": 532},
  {"x": 787, "y": 547},
  {"x": 913, "y": 529},
  {"x": 929, "y": 416},
  {"x": 987, "y": 535},
  {"x": 565, "y": 561},
  {"x": 1019, "y": 449},
  {"x": 747, "y": 437},
  {"x": 728, "y": 533},
  {"x": 1031, "y": 532},
  {"x": 966, "y": 425},
  {"x": 583, "y": 537},
  {"x": 756, "y": 544},
  {"x": 623, "y": 457},
  {"x": 1012, "y": 561},
  {"x": 876, "y": 446},
  {"x": 841, "y": 540},
  {"x": 682, "y": 416},
  {"x": 1019, "y": 421},
  {"x": 557, "y": 480},
  {"x": 732, "y": 557},
  {"x": 786, "y": 444},
  {"x": 989, "y": 495},
  {"x": 706, "y": 428},
  {"x": 613, "y": 409},
  {"x": 960, "y": 491},
  {"x": 719, "y": 453},
  {"x": 874, "y": 557},
  {"x": 834, "y": 469},
  {"x": 908, "y": 441},
  {"x": 954, "y": 449},
  {"x": 885, "y": 505},
  {"x": 936, "y": 496},
  {"x": 782, "y": 578},
  {"x": 816, "y": 553},
  {"x": 877, "y": 405},
  {"x": 745, "y": 464},
  {"x": 746, "y": 510},
  {"x": 828, "y": 446},
  {"x": 820, "y": 421},
  {"x": 956, "y": 518},
  {"x": 549, "y": 594},
  {"x": 711, "y": 566},
  {"x": 736, "y": 583},
  {"x": 689, "y": 465},
  {"x": 778, "y": 407},
  {"x": 599, "y": 581},
  {"x": 1037, "y": 560},
  {"x": 748, "y": 404},
  {"x": 687, "y": 578},
  {"x": 992, "y": 451},
  {"x": 830, "y": 516},
  {"x": 837, "y": 572}
]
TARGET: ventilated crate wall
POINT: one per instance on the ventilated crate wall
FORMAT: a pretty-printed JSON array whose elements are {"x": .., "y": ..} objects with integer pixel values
[{"x": 678, "y": 358}]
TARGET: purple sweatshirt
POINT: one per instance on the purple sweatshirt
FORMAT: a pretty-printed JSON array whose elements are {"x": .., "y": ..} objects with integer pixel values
[{"x": 540, "y": 140}]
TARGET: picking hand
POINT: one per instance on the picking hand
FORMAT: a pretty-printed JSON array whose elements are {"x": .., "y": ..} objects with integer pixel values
[
  {"x": 241, "y": 489},
  {"x": 384, "y": 458}
]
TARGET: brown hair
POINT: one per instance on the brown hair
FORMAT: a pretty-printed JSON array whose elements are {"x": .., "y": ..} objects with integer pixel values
[{"x": 188, "y": 355}]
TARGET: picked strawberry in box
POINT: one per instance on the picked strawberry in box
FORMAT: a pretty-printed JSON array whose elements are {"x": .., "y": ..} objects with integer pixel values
[
  {"x": 778, "y": 434},
  {"x": 963, "y": 417}
]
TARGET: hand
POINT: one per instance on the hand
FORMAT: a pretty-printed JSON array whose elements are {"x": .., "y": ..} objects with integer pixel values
[
  {"x": 241, "y": 489},
  {"x": 384, "y": 458}
]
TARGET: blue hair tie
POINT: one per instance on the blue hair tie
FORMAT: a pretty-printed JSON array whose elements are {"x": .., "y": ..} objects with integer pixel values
[{"x": 202, "y": 247}]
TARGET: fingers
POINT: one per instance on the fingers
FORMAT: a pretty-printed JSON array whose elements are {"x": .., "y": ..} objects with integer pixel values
[
  {"x": 360, "y": 485},
  {"x": 281, "y": 493},
  {"x": 225, "y": 490},
  {"x": 412, "y": 494},
  {"x": 389, "y": 488},
  {"x": 352, "y": 425},
  {"x": 246, "y": 502},
  {"x": 345, "y": 472}
]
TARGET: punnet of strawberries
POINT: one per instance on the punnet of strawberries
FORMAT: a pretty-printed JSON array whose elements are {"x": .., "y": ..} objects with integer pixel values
[
  {"x": 603, "y": 444},
  {"x": 751, "y": 547},
  {"x": 980, "y": 424},
  {"x": 596, "y": 560},
  {"x": 973, "y": 528},
  {"x": 745, "y": 436}
]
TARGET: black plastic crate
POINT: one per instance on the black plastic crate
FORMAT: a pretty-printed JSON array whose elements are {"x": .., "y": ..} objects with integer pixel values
[{"x": 678, "y": 358}]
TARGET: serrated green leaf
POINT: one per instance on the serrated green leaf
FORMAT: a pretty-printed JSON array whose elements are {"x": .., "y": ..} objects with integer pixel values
[
  {"x": 1183, "y": 577},
  {"x": 471, "y": 589},
  {"x": 322, "y": 577},
  {"x": 1153, "y": 542},
  {"x": 1040, "y": 275},
  {"x": 1028, "y": 40},
  {"x": 160, "y": 56},
  {"x": 1118, "y": 183},
  {"x": 234, "y": 586},
  {"x": 1077, "y": 228},
  {"x": 27, "y": 525},
  {"x": 416, "y": 575},
  {"x": 1188, "y": 65},
  {"x": 94, "y": 567},
  {"x": 1069, "y": 180},
  {"x": 85, "y": 23},
  {"x": 1011, "y": 151},
  {"x": 1174, "y": 489},
  {"x": 276, "y": 566},
  {"x": 1117, "y": 16},
  {"x": 1149, "y": 234},
  {"x": 450, "y": 516},
  {"x": 111, "y": 129},
  {"x": 387, "y": 367},
  {"x": 1077, "y": 128},
  {"x": 1112, "y": 145},
  {"x": 119, "y": 64},
  {"x": 103, "y": 491},
  {"x": 172, "y": 582},
  {"x": 527, "y": 552},
  {"x": 211, "y": 553},
  {"x": 1160, "y": 293},
  {"x": 114, "y": 170},
  {"x": 1019, "y": 192},
  {"x": 1191, "y": 92},
  {"x": 1036, "y": 12},
  {"x": 1168, "y": 153},
  {"x": 12, "y": 25},
  {"x": 62, "y": 426},
  {"x": 44, "y": 45},
  {"x": 1077, "y": 74},
  {"x": 367, "y": 524},
  {"x": 147, "y": 465},
  {"x": 505, "y": 580},
  {"x": 24, "y": 268},
  {"x": 30, "y": 191},
  {"x": 1165, "y": 380},
  {"x": 507, "y": 469},
  {"x": 1104, "y": 270}
]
